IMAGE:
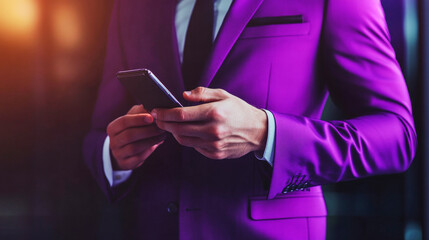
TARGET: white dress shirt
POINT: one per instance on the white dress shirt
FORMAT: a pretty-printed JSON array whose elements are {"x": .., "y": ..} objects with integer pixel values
[{"x": 183, "y": 15}]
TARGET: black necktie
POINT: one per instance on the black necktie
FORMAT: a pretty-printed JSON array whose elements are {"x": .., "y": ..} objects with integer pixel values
[{"x": 198, "y": 43}]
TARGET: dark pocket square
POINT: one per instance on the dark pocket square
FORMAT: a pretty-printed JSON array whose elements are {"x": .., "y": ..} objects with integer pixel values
[{"x": 275, "y": 20}]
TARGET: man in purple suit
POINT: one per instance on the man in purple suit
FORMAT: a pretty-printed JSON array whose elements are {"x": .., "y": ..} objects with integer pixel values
[{"x": 246, "y": 158}]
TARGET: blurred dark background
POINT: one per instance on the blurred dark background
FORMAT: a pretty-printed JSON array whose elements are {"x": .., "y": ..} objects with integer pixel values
[{"x": 51, "y": 60}]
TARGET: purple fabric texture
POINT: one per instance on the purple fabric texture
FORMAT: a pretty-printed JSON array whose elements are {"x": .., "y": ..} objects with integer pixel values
[{"x": 342, "y": 48}]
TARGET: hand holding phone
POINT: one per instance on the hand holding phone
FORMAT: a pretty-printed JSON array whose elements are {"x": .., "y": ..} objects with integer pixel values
[{"x": 133, "y": 138}]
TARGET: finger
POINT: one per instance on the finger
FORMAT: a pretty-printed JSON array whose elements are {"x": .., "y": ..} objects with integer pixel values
[
  {"x": 211, "y": 154},
  {"x": 210, "y": 131},
  {"x": 194, "y": 129},
  {"x": 136, "y": 148},
  {"x": 128, "y": 121},
  {"x": 131, "y": 135},
  {"x": 137, "y": 109},
  {"x": 194, "y": 142},
  {"x": 202, "y": 94},
  {"x": 207, "y": 146},
  {"x": 183, "y": 114},
  {"x": 136, "y": 161}
]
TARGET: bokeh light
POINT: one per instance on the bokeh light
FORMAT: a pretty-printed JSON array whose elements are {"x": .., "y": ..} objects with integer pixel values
[
  {"x": 67, "y": 27},
  {"x": 18, "y": 18}
]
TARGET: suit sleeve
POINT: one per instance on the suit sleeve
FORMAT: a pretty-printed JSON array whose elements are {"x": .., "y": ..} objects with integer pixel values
[
  {"x": 365, "y": 81},
  {"x": 111, "y": 103}
]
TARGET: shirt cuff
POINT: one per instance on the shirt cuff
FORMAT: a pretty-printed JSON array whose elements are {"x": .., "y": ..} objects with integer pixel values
[
  {"x": 269, "y": 146},
  {"x": 113, "y": 177}
]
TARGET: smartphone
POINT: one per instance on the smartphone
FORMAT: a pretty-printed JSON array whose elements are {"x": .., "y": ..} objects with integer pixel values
[{"x": 147, "y": 89}]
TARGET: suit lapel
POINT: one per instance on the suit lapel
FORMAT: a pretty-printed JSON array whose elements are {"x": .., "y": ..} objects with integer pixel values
[{"x": 240, "y": 12}]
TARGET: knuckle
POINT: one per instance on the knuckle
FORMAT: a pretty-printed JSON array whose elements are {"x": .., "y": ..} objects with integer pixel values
[
  {"x": 205, "y": 152},
  {"x": 182, "y": 141},
  {"x": 200, "y": 150},
  {"x": 199, "y": 90},
  {"x": 218, "y": 155},
  {"x": 222, "y": 91},
  {"x": 222, "y": 155},
  {"x": 159, "y": 114},
  {"x": 217, "y": 145},
  {"x": 217, "y": 114},
  {"x": 134, "y": 108},
  {"x": 139, "y": 108},
  {"x": 180, "y": 115},
  {"x": 217, "y": 132},
  {"x": 209, "y": 154}
]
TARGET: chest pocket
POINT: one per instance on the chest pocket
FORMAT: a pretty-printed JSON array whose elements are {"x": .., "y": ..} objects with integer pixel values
[{"x": 276, "y": 26}]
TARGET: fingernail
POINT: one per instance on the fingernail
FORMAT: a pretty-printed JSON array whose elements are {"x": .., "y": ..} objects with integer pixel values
[
  {"x": 187, "y": 93},
  {"x": 153, "y": 113}
]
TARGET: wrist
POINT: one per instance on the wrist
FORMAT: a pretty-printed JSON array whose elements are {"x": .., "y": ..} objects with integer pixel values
[{"x": 261, "y": 131}]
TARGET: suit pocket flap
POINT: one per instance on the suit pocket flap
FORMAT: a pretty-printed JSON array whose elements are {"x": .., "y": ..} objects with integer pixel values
[
  {"x": 276, "y": 30},
  {"x": 261, "y": 21},
  {"x": 288, "y": 207}
]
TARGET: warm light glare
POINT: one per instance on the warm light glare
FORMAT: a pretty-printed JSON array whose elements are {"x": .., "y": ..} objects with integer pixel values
[
  {"x": 18, "y": 17},
  {"x": 67, "y": 27}
]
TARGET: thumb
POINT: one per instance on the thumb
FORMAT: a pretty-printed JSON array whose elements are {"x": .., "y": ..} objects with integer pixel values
[
  {"x": 137, "y": 109},
  {"x": 202, "y": 94}
]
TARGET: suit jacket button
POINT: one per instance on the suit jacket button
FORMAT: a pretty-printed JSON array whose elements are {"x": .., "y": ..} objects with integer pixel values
[{"x": 172, "y": 208}]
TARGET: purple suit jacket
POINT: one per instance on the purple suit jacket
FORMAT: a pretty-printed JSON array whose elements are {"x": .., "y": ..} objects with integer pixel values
[{"x": 341, "y": 48}]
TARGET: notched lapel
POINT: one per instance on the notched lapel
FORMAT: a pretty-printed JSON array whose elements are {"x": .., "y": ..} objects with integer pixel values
[{"x": 240, "y": 13}]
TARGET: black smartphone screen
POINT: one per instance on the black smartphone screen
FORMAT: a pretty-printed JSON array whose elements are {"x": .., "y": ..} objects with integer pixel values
[{"x": 147, "y": 89}]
